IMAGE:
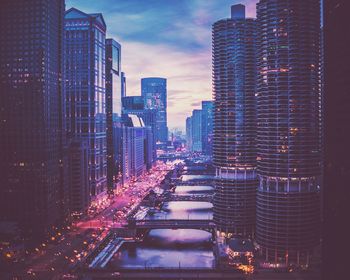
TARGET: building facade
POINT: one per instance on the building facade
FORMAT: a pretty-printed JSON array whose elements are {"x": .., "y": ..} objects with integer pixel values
[
  {"x": 207, "y": 127},
  {"x": 134, "y": 135},
  {"x": 79, "y": 192},
  {"x": 336, "y": 121},
  {"x": 136, "y": 105},
  {"x": 189, "y": 133},
  {"x": 289, "y": 129},
  {"x": 196, "y": 130},
  {"x": 32, "y": 190},
  {"x": 154, "y": 92},
  {"x": 86, "y": 89},
  {"x": 113, "y": 111},
  {"x": 234, "y": 151}
]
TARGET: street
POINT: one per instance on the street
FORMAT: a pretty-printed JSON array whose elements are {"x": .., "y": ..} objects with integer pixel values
[{"x": 58, "y": 255}]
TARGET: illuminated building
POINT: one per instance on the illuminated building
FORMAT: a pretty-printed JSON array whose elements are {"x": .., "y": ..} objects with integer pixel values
[
  {"x": 86, "y": 88},
  {"x": 113, "y": 111},
  {"x": 234, "y": 151},
  {"x": 288, "y": 135},
  {"x": 154, "y": 92},
  {"x": 33, "y": 190}
]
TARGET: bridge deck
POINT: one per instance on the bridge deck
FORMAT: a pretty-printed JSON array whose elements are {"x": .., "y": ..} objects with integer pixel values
[{"x": 174, "y": 224}]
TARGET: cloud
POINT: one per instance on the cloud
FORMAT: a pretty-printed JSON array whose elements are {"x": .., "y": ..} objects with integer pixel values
[
  {"x": 166, "y": 38},
  {"x": 188, "y": 76}
]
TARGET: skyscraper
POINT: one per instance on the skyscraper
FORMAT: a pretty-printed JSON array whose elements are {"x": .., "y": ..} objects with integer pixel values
[
  {"x": 336, "y": 137},
  {"x": 86, "y": 89},
  {"x": 234, "y": 152},
  {"x": 189, "y": 133},
  {"x": 30, "y": 116},
  {"x": 134, "y": 136},
  {"x": 136, "y": 105},
  {"x": 154, "y": 91},
  {"x": 196, "y": 130},
  {"x": 289, "y": 138},
  {"x": 207, "y": 127},
  {"x": 113, "y": 111}
]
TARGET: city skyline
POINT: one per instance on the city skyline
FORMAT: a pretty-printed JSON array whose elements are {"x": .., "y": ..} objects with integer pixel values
[
  {"x": 174, "y": 139},
  {"x": 170, "y": 39}
]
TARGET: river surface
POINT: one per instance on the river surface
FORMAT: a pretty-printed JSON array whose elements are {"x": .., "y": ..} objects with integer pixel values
[{"x": 168, "y": 247}]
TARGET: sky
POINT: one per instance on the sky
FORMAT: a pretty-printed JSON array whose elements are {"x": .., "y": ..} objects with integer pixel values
[{"x": 169, "y": 39}]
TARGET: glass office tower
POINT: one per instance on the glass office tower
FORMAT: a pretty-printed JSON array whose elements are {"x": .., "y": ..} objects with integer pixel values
[
  {"x": 31, "y": 192},
  {"x": 86, "y": 89},
  {"x": 196, "y": 130},
  {"x": 289, "y": 138},
  {"x": 113, "y": 111},
  {"x": 207, "y": 127},
  {"x": 154, "y": 91},
  {"x": 234, "y": 151}
]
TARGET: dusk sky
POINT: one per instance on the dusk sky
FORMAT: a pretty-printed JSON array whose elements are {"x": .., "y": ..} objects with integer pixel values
[{"x": 166, "y": 38}]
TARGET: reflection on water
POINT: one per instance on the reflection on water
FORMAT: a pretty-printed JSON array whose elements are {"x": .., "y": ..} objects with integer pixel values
[
  {"x": 167, "y": 248},
  {"x": 186, "y": 178},
  {"x": 186, "y": 190},
  {"x": 195, "y": 210}
]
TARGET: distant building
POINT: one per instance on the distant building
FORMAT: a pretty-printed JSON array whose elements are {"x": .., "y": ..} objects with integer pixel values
[
  {"x": 113, "y": 110},
  {"x": 189, "y": 133},
  {"x": 135, "y": 105},
  {"x": 207, "y": 127},
  {"x": 154, "y": 92},
  {"x": 33, "y": 191},
  {"x": 134, "y": 145},
  {"x": 85, "y": 89},
  {"x": 196, "y": 130}
]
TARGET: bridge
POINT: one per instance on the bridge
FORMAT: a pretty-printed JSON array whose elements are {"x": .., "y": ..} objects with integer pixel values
[
  {"x": 172, "y": 224},
  {"x": 194, "y": 197}
]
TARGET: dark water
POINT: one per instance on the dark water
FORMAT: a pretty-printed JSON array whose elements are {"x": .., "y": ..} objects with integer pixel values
[
  {"x": 167, "y": 248},
  {"x": 173, "y": 248}
]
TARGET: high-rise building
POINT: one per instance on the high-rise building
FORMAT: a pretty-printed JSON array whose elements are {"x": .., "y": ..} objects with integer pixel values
[
  {"x": 113, "y": 111},
  {"x": 134, "y": 134},
  {"x": 336, "y": 102},
  {"x": 207, "y": 127},
  {"x": 289, "y": 129},
  {"x": 123, "y": 77},
  {"x": 79, "y": 193},
  {"x": 234, "y": 150},
  {"x": 196, "y": 130},
  {"x": 86, "y": 89},
  {"x": 189, "y": 133},
  {"x": 136, "y": 105},
  {"x": 31, "y": 143},
  {"x": 154, "y": 91}
]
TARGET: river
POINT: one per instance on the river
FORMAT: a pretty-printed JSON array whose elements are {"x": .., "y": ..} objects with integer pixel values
[{"x": 168, "y": 247}]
